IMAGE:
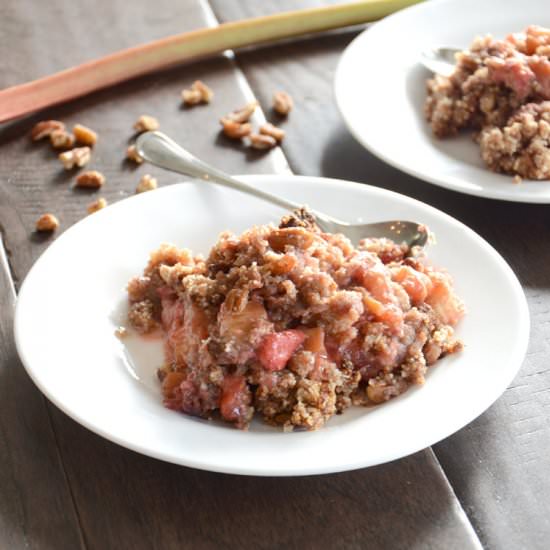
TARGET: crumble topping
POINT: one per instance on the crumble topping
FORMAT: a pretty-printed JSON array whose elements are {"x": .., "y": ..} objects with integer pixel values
[
  {"x": 500, "y": 89},
  {"x": 292, "y": 323}
]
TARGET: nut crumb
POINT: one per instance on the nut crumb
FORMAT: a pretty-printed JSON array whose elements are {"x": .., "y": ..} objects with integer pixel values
[
  {"x": 146, "y": 183},
  {"x": 90, "y": 180},
  {"x": 84, "y": 135},
  {"x": 206, "y": 92},
  {"x": 282, "y": 103},
  {"x": 191, "y": 97},
  {"x": 261, "y": 141},
  {"x": 243, "y": 114},
  {"x": 198, "y": 93},
  {"x": 61, "y": 139},
  {"x": 273, "y": 131},
  {"x": 121, "y": 332},
  {"x": 132, "y": 154},
  {"x": 517, "y": 179},
  {"x": 146, "y": 123},
  {"x": 79, "y": 156},
  {"x": 97, "y": 205},
  {"x": 47, "y": 223},
  {"x": 44, "y": 128},
  {"x": 235, "y": 130}
]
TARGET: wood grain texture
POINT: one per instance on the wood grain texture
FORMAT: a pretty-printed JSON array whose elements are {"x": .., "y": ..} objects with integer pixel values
[
  {"x": 131, "y": 501},
  {"x": 498, "y": 465},
  {"x": 36, "y": 508},
  {"x": 126, "y": 500},
  {"x": 33, "y": 180}
]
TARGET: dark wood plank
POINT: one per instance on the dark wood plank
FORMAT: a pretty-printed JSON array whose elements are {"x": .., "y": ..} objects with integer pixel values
[
  {"x": 497, "y": 465},
  {"x": 57, "y": 35},
  {"x": 37, "y": 503},
  {"x": 126, "y": 500},
  {"x": 157, "y": 505},
  {"x": 123, "y": 499},
  {"x": 31, "y": 473}
]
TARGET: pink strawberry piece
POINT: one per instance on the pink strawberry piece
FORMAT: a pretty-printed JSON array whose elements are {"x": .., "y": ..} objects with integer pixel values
[{"x": 277, "y": 348}]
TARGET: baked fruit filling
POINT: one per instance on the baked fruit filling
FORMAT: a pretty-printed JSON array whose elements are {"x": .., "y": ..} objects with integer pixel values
[{"x": 293, "y": 323}]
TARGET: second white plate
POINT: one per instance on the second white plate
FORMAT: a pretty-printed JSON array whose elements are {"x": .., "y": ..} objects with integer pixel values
[{"x": 381, "y": 87}]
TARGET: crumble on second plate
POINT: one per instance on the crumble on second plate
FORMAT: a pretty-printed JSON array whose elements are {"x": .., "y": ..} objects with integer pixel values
[{"x": 500, "y": 90}]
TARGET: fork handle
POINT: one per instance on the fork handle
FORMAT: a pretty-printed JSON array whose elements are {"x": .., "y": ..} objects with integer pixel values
[{"x": 157, "y": 148}]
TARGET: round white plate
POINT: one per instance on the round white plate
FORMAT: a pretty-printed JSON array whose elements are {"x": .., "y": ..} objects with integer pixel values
[
  {"x": 380, "y": 89},
  {"x": 74, "y": 297}
]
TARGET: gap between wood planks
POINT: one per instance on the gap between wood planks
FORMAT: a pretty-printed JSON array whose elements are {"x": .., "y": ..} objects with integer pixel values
[{"x": 5, "y": 263}]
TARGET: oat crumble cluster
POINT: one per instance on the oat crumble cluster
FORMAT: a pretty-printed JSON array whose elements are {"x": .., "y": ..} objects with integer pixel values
[
  {"x": 292, "y": 323},
  {"x": 501, "y": 90}
]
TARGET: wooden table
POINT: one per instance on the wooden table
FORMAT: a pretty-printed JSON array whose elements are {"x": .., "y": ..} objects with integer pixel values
[{"x": 64, "y": 487}]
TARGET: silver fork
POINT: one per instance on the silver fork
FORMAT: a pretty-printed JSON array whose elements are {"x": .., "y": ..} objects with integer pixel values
[{"x": 159, "y": 149}]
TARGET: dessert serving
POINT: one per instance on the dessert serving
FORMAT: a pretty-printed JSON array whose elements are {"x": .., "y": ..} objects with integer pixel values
[
  {"x": 500, "y": 89},
  {"x": 293, "y": 323}
]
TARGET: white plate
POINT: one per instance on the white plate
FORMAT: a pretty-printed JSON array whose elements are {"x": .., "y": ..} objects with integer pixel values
[
  {"x": 73, "y": 297},
  {"x": 380, "y": 89}
]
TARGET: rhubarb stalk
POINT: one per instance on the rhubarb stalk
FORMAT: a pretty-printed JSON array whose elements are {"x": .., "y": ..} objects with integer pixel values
[{"x": 132, "y": 62}]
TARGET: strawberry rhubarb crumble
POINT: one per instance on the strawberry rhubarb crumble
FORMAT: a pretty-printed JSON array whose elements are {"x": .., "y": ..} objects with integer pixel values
[
  {"x": 293, "y": 323},
  {"x": 501, "y": 90}
]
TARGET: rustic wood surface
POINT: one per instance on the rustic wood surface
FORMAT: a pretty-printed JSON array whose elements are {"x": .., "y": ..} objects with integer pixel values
[
  {"x": 499, "y": 465},
  {"x": 64, "y": 487}
]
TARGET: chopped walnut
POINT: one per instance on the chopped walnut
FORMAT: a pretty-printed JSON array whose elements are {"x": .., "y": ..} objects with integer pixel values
[
  {"x": 96, "y": 205},
  {"x": 43, "y": 129},
  {"x": 206, "y": 92},
  {"x": 273, "y": 131},
  {"x": 79, "y": 156},
  {"x": 282, "y": 103},
  {"x": 46, "y": 223},
  {"x": 90, "y": 180},
  {"x": 84, "y": 135},
  {"x": 146, "y": 123},
  {"x": 301, "y": 217},
  {"x": 243, "y": 114},
  {"x": 146, "y": 183},
  {"x": 132, "y": 154},
  {"x": 296, "y": 237},
  {"x": 260, "y": 141},
  {"x": 198, "y": 93},
  {"x": 517, "y": 179},
  {"x": 235, "y": 130},
  {"x": 191, "y": 97},
  {"x": 61, "y": 139}
]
